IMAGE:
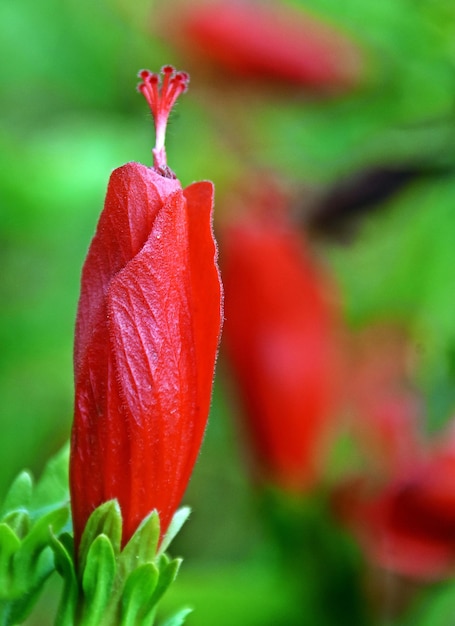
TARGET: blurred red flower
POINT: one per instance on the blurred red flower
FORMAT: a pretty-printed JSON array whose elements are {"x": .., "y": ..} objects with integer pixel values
[
  {"x": 408, "y": 526},
  {"x": 268, "y": 41},
  {"x": 147, "y": 332},
  {"x": 402, "y": 508},
  {"x": 279, "y": 337}
]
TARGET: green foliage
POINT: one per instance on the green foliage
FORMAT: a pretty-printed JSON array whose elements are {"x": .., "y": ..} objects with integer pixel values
[
  {"x": 178, "y": 619},
  {"x": 436, "y": 608},
  {"x": 401, "y": 269},
  {"x": 401, "y": 112},
  {"x": 332, "y": 568},
  {"x": 108, "y": 586},
  {"x": 27, "y": 516}
]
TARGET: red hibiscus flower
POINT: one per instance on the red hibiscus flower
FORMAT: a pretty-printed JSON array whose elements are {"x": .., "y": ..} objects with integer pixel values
[
  {"x": 268, "y": 41},
  {"x": 279, "y": 337},
  {"x": 147, "y": 332},
  {"x": 403, "y": 512},
  {"x": 408, "y": 526}
]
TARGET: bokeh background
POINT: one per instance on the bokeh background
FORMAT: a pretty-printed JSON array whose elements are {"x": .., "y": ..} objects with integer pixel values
[{"x": 369, "y": 165}]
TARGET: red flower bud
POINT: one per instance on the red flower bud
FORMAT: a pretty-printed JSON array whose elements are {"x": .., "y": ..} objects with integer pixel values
[
  {"x": 147, "y": 332},
  {"x": 402, "y": 506},
  {"x": 268, "y": 41},
  {"x": 408, "y": 525},
  {"x": 279, "y": 338}
]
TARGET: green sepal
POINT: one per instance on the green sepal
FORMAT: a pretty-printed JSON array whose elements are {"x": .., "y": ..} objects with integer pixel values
[
  {"x": 97, "y": 581},
  {"x": 30, "y": 565},
  {"x": 9, "y": 545},
  {"x": 111, "y": 586},
  {"x": 105, "y": 520},
  {"x": 174, "y": 528},
  {"x": 19, "y": 495},
  {"x": 19, "y": 521},
  {"x": 142, "y": 546},
  {"x": 168, "y": 572},
  {"x": 63, "y": 549},
  {"x": 179, "y": 618},
  {"x": 138, "y": 594}
]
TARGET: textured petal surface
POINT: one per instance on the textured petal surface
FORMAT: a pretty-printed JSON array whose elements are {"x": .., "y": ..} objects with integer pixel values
[
  {"x": 135, "y": 194},
  {"x": 142, "y": 397}
]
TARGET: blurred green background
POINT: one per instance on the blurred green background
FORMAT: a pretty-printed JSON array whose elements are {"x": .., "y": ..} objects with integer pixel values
[{"x": 70, "y": 114}]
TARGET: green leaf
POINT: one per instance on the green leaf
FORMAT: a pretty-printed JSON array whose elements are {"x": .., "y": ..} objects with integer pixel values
[
  {"x": 435, "y": 608},
  {"x": 176, "y": 524},
  {"x": 141, "y": 548},
  {"x": 138, "y": 595},
  {"x": 106, "y": 520},
  {"x": 97, "y": 581},
  {"x": 9, "y": 545},
  {"x": 179, "y": 618},
  {"x": 19, "y": 495}
]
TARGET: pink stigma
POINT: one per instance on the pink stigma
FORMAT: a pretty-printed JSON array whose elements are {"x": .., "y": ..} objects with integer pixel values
[{"x": 161, "y": 92}]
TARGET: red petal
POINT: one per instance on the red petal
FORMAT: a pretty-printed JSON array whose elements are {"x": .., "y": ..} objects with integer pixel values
[
  {"x": 206, "y": 303},
  {"x": 143, "y": 365},
  {"x": 151, "y": 329},
  {"x": 135, "y": 194}
]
